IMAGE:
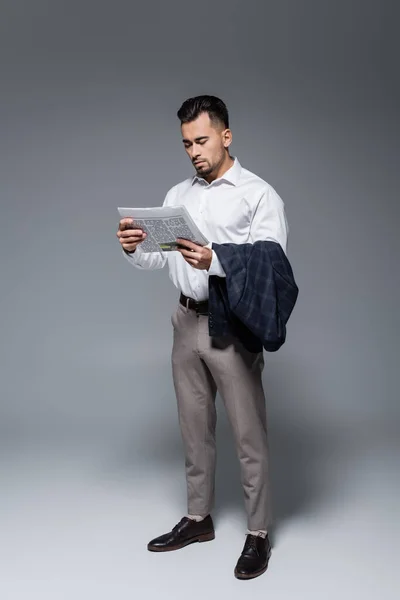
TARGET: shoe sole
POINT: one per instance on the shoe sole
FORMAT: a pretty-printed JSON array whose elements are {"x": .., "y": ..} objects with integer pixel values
[
  {"x": 206, "y": 537},
  {"x": 253, "y": 575}
]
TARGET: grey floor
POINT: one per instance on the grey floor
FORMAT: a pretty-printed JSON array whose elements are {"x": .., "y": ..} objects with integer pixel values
[{"x": 75, "y": 519}]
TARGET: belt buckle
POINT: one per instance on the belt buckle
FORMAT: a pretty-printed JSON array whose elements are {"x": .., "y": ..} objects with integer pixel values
[{"x": 187, "y": 303}]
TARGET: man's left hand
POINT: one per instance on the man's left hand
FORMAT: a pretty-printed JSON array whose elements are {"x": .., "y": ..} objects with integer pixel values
[{"x": 199, "y": 257}]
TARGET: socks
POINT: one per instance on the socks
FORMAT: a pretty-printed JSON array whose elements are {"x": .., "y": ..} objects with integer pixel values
[{"x": 260, "y": 532}]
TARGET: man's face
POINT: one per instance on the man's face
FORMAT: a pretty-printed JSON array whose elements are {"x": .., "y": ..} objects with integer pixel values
[{"x": 205, "y": 144}]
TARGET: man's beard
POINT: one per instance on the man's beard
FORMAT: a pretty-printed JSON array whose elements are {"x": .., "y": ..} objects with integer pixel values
[{"x": 203, "y": 170}]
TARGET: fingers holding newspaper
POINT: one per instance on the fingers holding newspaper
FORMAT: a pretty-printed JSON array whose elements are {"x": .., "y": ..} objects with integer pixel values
[
  {"x": 199, "y": 257},
  {"x": 129, "y": 238},
  {"x": 161, "y": 228}
]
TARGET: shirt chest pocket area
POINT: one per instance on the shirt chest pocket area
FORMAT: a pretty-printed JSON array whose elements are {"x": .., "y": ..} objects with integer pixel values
[{"x": 228, "y": 217}]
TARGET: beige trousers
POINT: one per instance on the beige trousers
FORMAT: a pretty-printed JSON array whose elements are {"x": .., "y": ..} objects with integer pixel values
[{"x": 200, "y": 365}]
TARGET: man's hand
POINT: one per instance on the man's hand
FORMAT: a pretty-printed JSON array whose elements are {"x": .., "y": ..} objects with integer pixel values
[
  {"x": 199, "y": 257},
  {"x": 129, "y": 237}
]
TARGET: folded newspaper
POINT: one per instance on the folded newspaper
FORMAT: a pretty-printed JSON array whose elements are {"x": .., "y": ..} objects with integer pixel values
[{"x": 163, "y": 225}]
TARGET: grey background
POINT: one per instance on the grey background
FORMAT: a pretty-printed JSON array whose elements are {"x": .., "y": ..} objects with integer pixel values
[{"x": 91, "y": 463}]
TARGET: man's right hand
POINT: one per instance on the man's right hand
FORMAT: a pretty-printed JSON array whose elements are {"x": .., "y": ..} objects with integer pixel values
[{"x": 129, "y": 238}]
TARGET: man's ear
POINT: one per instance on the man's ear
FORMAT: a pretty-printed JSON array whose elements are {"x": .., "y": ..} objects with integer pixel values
[{"x": 227, "y": 137}]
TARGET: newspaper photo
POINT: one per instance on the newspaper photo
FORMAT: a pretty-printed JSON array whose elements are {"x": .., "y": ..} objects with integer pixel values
[{"x": 163, "y": 225}]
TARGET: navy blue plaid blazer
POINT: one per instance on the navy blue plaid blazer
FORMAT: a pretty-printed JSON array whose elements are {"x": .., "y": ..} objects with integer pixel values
[{"x": 256, "y": 298}]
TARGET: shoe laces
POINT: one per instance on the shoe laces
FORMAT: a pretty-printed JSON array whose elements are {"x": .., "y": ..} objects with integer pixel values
[
  {"x": 178, "y": 525},
  {"x": 251, "y": 542}
]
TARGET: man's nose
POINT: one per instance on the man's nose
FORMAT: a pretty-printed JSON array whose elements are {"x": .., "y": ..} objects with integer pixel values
[{"x": 195, "y": 152}]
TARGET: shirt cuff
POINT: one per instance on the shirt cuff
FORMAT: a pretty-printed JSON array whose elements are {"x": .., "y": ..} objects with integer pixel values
[
  {"x": 216, "y": 267},
  {"x": 131, "y": 256}
]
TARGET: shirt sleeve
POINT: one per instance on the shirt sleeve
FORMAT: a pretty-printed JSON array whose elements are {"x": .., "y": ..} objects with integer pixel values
[
  {"x": 150, "y": 260},
  {"x": 215, "y": 268},
  {"x": 269, "y": 220}
]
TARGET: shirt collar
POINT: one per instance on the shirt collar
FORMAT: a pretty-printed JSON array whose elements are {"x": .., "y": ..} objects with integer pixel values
[{"x": 232, "y": 175}]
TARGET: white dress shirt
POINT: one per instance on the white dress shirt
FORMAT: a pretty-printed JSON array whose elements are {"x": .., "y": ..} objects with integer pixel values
[{"x": 238, "y": 207}]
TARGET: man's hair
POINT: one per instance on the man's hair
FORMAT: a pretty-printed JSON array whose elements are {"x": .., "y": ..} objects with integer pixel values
[{"x": 193, "y": 107}]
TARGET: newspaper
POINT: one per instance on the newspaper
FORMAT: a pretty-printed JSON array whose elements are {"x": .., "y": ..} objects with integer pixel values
[{"x": 163, "y": 225}]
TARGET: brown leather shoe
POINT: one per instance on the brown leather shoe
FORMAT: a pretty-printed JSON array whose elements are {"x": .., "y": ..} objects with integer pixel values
[
  {"x": 254, "y": 558},
  {"x": 185, "y": 532}
]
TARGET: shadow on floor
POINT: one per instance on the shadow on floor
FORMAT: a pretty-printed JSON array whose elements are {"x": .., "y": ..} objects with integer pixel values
[{"x": 297, "y": 480}]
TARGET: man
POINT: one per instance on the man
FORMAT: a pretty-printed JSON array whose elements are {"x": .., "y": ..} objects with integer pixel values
[{"x": 229, "y": 204}]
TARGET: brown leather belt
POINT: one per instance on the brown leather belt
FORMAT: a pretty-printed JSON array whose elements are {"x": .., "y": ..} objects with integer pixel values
[{"x": 201, "y": 307}]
